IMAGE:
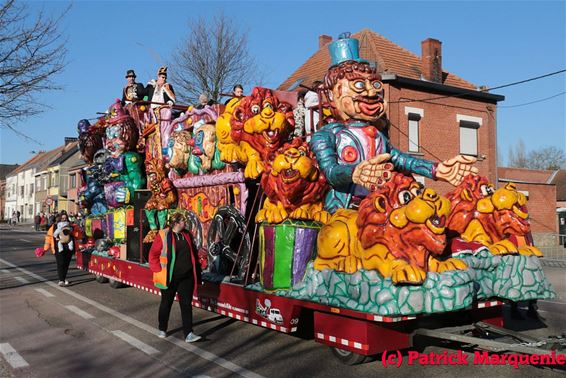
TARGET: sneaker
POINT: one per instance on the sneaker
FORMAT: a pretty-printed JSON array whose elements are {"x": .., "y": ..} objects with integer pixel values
[
  {"x": 191, "y": 338},
  {"x": 161, "y": 334},
  {"x": 66, "y": 283},
  {"x": 61, "y": 283}
]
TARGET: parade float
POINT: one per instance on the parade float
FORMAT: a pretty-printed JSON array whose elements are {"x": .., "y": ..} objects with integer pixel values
[{"x": 335, "y": 233}]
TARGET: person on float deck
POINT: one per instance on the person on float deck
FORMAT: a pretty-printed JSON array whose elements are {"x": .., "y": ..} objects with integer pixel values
[
  {"x": 355, "y": 156},
  {"x": 237, "y": 92},
  {"x": 132, "y": 91},
  {"x": 173, "y": 259},
  {"x": 160, "y": 91}
]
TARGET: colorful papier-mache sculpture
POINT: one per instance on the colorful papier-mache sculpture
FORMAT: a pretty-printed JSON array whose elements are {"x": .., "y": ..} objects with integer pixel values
[
  {"x": 91, "y": 194},
  {"x": 163, "y": 197},
  {"x": 294, "y": 186},
  {"x": 229, "y": 150},
  {"x": 353, "y": 153},
  {"x": 259, "y": 125},
  {"x": 90, "y": 139},
  {"x": 124, "y": 166},
  {"x": 497, "y": 219},
  {"x": 399, "y": 231}
]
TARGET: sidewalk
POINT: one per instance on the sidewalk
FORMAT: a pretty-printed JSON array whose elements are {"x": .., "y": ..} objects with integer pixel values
[{"x": 19, "y": 227}]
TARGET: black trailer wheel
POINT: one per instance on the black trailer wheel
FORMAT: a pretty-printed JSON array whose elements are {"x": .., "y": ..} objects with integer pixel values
[
  {"x": 226, "y": 235},
  {"x": 101, "y": 279},
  {"x": 349, "y": 358},
  {"x": 115, "y": 284}
]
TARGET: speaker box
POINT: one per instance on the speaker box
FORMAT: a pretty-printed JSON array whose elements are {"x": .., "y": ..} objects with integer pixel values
[{"x": 137, "y": 251}]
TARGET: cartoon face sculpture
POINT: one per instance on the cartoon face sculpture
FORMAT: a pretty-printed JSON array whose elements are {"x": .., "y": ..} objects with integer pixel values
[
  {"x": 163, "y": 194},
  {"x": 399, "y": 231},
  {"x": 355, "y": 92},
  {"x": 204, "y": 146},
  {"x": 181, "y": 150},
  {"x": 260, "y": 125},
  {"x": 495, "y": 218},
  {"x": 121, "y": 132},
  {"x": 294, "y": 186},
  {"x": 90, "y": 140}
]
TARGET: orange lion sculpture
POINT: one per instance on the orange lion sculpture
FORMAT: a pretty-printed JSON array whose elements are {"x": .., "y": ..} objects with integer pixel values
[
  {"x": 497, "y": 219},
  {"x": 294, "y": 186},
  {"x": 259, "y": 125},
  {"x": 399, "y": 230}
]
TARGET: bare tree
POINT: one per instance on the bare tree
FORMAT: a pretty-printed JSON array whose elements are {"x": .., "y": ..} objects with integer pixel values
[
  {"x": 212, "y": 59},
  {"x": 549, "y": 158},
  {"x": 518, "y": 155},
  {"x": 32, "y": 52}
]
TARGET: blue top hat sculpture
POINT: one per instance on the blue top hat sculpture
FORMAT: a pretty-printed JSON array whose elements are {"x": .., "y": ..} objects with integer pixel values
[{"x": 344, "y": 49}]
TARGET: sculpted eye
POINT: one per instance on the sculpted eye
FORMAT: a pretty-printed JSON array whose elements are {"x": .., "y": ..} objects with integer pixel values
[
  {"x": 405, "y": 197},
  {"x": 255, "y": 109},
  {"x": 417, "y": 191},
  {"x": 486, "y": 190},
  {"x": 268, "y": 105},
  {"x": 377, "y": 85},
  {"x": 359, "y": 85}
]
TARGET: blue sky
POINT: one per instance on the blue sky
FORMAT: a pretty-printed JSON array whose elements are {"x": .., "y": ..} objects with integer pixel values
[{"x": 487, "y": 43}]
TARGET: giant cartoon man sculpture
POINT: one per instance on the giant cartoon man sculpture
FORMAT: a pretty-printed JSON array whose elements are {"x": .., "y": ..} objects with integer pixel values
[{"x": 353, "y": 153}]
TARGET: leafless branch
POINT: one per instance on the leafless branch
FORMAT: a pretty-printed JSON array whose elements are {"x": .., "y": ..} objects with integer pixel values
[
  {"x": 212, "y": 59},
  {"x": 32, "y": 52}
]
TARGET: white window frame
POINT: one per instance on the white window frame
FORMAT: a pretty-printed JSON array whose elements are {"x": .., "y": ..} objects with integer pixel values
[
  {"x": 469, "y": 126},
  {"x": 414, "y": 115}
]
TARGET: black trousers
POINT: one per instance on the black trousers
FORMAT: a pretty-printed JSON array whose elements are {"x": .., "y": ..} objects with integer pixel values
[
  {"x": 184, "y": 286},
  {"x": 63, "y": 260}
]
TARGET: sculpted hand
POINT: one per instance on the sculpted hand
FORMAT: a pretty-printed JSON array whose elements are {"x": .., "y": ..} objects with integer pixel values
[
  {"x": 371, "y": 173},
  {"x": 454, "y": 170}
]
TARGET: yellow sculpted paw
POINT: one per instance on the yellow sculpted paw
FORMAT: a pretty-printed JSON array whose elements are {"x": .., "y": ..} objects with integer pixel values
[
  {"x": 321, "y": 216},
  {"x": 530, "y": 250},
  {"x": 440, "y": 266},
  {"x": 350, "y": 264},
  {"x": 254, "y": 168},
  {"x": 229, "y": 153},
  {"x": 300, "y": 213},
  {"x": 404, "y": 273},
  {"x": 271, "y": 213},
  {"x": 503, "y": 247}
]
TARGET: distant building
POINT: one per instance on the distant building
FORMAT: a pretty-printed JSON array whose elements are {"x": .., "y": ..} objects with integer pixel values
[
  {"x": 540, "y": 190},
  {"x": 75, "y": 183},
  {"x": 5, "y": 169},
  {"x": 434, "y": 114},
  {"x": 58, "y": 174}
]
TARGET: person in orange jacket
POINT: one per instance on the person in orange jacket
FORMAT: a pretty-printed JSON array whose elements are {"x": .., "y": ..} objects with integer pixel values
[
  {"x": 176, "y": 269},
  {"x": 64, "y": 257}
]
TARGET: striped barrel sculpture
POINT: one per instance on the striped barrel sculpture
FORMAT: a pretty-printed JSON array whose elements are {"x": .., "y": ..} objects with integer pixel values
[{"x": 285, "y": 251}]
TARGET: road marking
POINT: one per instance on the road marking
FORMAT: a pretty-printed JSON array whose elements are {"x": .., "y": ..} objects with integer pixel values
[
  {"x": 26, "y": 240},
  {"x": 44, "y": 292},
  {"x": 147, "y": 349},
  {"x": 5, "y": 271},
  {"x": 228, "y": 365},
  {"x": 21, "y": 279},
  {"x": 79, "y": 312},
  {"x": 12, "y": 357}
]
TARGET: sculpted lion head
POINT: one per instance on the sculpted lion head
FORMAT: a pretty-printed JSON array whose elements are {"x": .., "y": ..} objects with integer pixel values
[
  {"x": 294, "y": 178},
  {"x": 181, "y": 149},
  {"x": 500, "y": 212},
  {"x": 262, "y": 121},
  {"x": 406, "y": 218}
]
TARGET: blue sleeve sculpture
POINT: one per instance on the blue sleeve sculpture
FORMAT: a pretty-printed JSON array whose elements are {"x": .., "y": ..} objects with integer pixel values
[{"x": 353, "y": 153}]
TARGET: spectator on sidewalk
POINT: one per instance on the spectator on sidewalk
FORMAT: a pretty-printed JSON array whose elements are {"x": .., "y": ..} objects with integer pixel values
[
  {"x": 36, "y": 221},
  {"x": 14, "y": 218}
]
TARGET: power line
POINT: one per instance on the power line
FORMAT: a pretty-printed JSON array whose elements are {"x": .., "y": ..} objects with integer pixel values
[
  {"x": 532, "y": 102},
  {"x": 468, "y": 92}
]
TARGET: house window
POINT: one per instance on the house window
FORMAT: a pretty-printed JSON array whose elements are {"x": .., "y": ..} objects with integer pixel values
[
  {"x": 22, "y": 191},
  {"x": 73, "y": 181},
  {"x": 414, "y": 116},
  {"x": 469, "y": 134}
]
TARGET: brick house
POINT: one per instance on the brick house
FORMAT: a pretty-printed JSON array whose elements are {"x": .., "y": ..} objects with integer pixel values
[
  {"x": 75, "y": 183},
  {"x": 5, "y": 169},
  {"x": 433, "y": 114},
  {"x": 540, "y": 190}
]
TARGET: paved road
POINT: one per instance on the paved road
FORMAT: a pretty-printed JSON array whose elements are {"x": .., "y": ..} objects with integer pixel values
[{"x": 91, "y": 330}]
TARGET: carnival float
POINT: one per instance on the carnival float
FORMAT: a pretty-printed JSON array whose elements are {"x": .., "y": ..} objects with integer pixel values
[{"x": 338, "y": 225}]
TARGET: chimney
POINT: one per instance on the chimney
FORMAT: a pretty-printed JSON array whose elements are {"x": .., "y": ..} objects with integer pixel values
[
  {"x": 431, "y": 61},
  {"x": 69, "y": 140},
  {"x": 324, "y": 40}
]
